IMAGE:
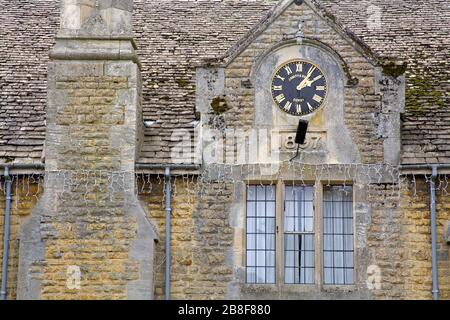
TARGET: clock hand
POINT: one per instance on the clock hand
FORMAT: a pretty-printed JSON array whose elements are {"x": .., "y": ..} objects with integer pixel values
[
  {"x": 309, "y": 83},
  {"x": 302, "y": 84},
  {"x": 306, "y": 80}
]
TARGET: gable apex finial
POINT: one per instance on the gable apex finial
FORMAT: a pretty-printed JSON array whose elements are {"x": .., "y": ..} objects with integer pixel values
[{"x": 300, "y": 35}]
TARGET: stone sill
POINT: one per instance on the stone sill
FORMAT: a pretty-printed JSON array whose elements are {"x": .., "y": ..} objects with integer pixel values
[{"x": 294, "y": 287}]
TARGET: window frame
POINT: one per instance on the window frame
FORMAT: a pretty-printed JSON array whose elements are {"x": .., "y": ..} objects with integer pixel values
[
  {"x": 317, "y": 229},
  {"x": 353, "y": 238},
  {"x": 281, "y": 233},
  {"x": 245, "y": 233}
]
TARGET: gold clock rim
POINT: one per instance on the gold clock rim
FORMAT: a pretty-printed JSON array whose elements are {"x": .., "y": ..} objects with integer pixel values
[{"x": 312, "y": 63}]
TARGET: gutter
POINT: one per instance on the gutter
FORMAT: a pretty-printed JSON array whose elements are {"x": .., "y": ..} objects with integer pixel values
[
  {"x": 434, "y": 172},
  {"x": 22, "y": 166},
  {"x": 151, "y": 166},
  {"x": 424, "y": 166},
  {"x": 6, "y": 233}
]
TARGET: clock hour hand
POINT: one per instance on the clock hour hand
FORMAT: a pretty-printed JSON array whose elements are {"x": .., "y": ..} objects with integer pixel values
[{"x": 310, "y": 82}]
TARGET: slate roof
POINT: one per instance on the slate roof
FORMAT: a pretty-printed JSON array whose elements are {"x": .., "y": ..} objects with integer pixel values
[
  {"x": 417, "y": 31},
  {"x": 173, "y": 36}
]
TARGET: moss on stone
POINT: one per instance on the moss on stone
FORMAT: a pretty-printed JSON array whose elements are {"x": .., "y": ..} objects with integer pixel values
[
  {"x": 420, "y": 91},
  {"x": 9, "y": 159},
  {"x": 393, "y": 69},
  {"x": 219, "y": 105},
  {"x": 182, "y": 83},
  {"x": 330, "y": 16}
]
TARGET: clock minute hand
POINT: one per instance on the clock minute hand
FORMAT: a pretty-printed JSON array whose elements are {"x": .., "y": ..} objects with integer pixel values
[{"x": 306, "y": 80}]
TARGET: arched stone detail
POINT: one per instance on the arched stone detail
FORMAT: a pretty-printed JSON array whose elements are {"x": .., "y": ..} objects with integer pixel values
[{"x": 326, "y": 124}]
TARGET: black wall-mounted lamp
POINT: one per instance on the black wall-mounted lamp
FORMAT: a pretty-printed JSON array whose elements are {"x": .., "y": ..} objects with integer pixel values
[{"x": 300, "y": 135}]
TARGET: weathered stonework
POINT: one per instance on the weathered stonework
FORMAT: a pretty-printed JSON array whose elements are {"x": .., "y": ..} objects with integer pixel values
[
  {"x": 93, "y": 135},
  {"x": 416, "y": 239},
  {"x": 370, "y": 100}
]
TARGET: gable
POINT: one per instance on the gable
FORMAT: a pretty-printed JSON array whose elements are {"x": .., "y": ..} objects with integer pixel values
[
  {"x": 359, "y": 123},
  {"x": 411, "y": 31},
  {"x": 278, "y": 13}
]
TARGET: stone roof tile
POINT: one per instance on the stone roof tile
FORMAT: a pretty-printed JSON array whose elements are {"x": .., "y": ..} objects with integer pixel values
[{"x": 173, "y": 36}]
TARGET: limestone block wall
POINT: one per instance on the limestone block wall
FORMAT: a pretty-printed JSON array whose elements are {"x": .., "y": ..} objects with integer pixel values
[
  {"x": 201, "y": 239},
  {"x": 398, "y": 240},
  {"x": 373, "y": 98},
  {"x": 89, "y": 219},
  {"x": 385, "y": 247},
  {"x": 206, "y": 249},
  {"x": 89, "y": 237},
  {"x": 416, "y": 238}
]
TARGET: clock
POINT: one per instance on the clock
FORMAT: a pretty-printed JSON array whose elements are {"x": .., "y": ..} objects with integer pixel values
[{"x": 299, "y": 87}]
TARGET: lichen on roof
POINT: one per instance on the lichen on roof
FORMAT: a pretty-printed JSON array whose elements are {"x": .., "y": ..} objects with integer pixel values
[{"x": 173, "y": 36}]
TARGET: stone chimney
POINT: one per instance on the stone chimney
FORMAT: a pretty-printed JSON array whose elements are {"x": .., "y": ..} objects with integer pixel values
[{"x": 88, "y": 237}]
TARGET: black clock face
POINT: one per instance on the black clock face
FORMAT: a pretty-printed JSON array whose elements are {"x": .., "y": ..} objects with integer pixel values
[{"x": 299, "y": 87}]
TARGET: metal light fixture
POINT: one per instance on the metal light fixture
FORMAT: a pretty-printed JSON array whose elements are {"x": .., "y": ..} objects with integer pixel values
[
  {"x": 148, "y": 123},
  {"x": 300, "y": 135}
]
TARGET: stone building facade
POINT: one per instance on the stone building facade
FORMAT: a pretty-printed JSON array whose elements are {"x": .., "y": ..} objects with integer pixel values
[{"x": 149, "y": 120}]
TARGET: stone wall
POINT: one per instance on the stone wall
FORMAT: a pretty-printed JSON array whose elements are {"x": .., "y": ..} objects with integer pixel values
[
  {"x": 372, "y": 101},
  {"x": 398, "y": 240},
  {"x": 416, "y": 239},
  {"x": 89, "y": 214},
  {"x": 201, "y": 238},
  {"x": 207, "y": 252},
  {"x": 89, "y": 237},
  {"x": 385, "y": 245}
]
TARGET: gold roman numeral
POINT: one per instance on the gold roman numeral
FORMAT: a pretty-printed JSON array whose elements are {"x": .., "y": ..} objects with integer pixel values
[
  {"x": 317, "y": 98},
  {"x": 299, "y": 67},
  {"x": 320, "y": 88},
  {"x": 277, "y": 88},
  {"x": 299, "y": 108},
  {"x": 280, "y": 98},
  {"x": 310, "y": 107},
  {"x": 317, "y": 78},
  {"x": 280, "y": 77},
  {"x": 288, "y": 106},
  {"x": 288, "y": 70}
]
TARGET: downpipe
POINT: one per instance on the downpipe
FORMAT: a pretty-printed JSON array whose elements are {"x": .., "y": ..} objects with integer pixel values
[
  {"x": 434, "y": 268},
  {"x": 6, "y": 235},
  {"x": 168, "y": 192}
]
